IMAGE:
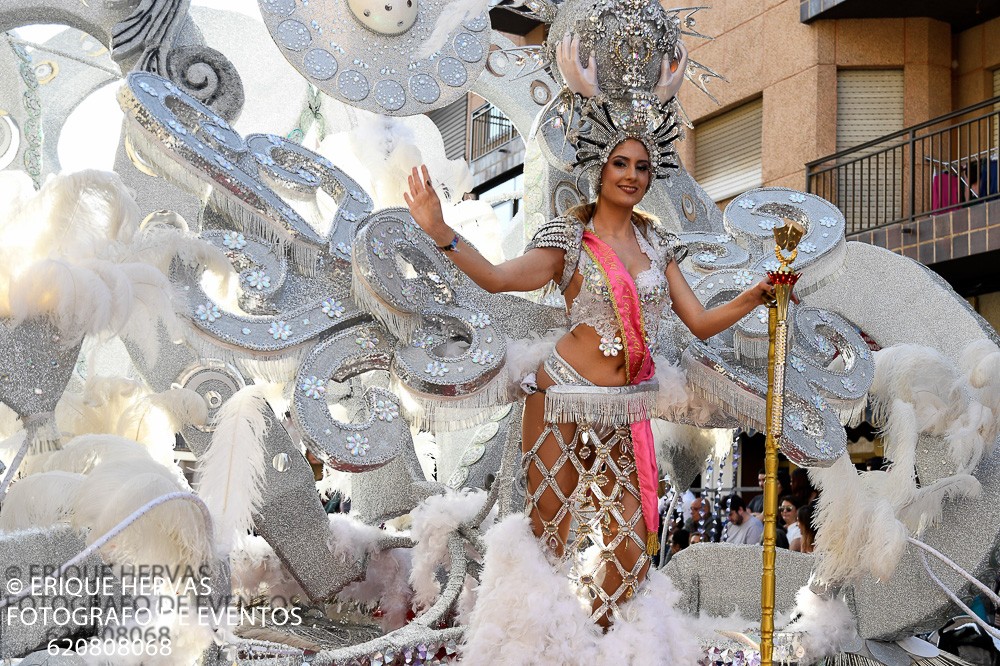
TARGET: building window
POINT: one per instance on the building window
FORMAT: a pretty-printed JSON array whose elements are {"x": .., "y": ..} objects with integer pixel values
[
  {"x": 869, "y": 106},
  {"x": 727, "y": 152},
  {"x": 451, "y": 120}
]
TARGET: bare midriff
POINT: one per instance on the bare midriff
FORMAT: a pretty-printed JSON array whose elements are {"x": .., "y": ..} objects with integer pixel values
[{"x": 581, "y": 349}]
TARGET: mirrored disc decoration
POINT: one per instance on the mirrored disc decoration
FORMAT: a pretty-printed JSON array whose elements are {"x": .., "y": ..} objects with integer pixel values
[{"x": 370, "y": 53}]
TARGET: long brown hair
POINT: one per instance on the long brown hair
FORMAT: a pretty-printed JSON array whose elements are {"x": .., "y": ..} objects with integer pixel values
[{"x": 585, "y": 213}]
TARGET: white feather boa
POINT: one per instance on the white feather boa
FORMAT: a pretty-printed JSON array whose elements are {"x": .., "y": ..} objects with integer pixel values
[
  {"x": 231, "y": 471},
  {"x": 526, "y": 613},
  {"x": 258, "y": 570},
  {"x": 385, "y": 585},
  {"x": 350, "y": 539}
]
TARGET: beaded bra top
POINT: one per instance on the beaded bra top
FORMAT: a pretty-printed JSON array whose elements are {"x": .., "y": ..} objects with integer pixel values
[{"x": 593, "y": 305}]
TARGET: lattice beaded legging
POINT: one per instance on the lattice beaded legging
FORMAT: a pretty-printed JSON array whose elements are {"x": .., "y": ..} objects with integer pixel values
[{"x": 586, "y": 489}]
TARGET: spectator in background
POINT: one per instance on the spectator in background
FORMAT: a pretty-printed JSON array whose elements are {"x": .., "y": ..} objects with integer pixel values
[
  {"x": 702, "y": 522},
  {"x": 744, "y": 527},
  {"x": 756, "y": 504},
  {"x": 802, "y": 489},
  {"x": 784, "y": 482},
  {"x": 788, "y": 519},
  {"x": 680, "y": 540},
  {"x": 806, "y": 528}
]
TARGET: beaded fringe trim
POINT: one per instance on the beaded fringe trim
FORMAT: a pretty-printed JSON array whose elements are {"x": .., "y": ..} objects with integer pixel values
[
  {"x": 437, "y": 413},
  {"x": 851, "y": 412},
  {"x": 813, "y": 279},
  {"x": 745, "y": 407},
  {"x": 303, "y": 255},
  {"x": 750, "y": 350},
  {"x": 853, "y": 659},
  {"x": 601, "y": 405},
  {"x": 401, "y": 324}
]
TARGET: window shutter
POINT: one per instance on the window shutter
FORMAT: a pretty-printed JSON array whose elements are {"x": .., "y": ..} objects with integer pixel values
[
  {"x": 727, "y": 152},
  {"x": 869, "y": 105},
  {"x": 451, "y": 120}
]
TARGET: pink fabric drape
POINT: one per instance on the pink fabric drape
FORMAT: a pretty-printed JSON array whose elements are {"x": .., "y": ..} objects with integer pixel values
[{"x": 639, "y": 367}]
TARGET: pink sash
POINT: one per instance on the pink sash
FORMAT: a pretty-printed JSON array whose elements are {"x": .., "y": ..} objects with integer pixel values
[{"x": 638, "y": 368}]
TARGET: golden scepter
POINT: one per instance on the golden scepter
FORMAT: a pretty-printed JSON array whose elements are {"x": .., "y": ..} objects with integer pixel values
[{"x": 786, "y": 239}]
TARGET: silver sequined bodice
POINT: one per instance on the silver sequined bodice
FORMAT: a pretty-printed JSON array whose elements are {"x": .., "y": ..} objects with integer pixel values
[{"x": 593, "y": 306}]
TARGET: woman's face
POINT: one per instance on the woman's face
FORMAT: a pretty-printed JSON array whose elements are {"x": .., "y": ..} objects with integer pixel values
[
  {"x": 625, "y": 176},
  {"x": 788, "y": 513}
]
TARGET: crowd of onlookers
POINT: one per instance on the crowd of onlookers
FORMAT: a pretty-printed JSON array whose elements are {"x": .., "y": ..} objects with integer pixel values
[{"x": 713, "y": 517}]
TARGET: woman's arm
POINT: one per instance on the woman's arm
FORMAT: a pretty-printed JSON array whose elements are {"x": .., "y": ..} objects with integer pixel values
[
  {"x": 706, "y": 323},
  {"x": 531, "y": 270}
]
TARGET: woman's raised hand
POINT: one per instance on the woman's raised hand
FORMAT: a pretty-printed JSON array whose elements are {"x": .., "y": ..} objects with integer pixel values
[{"x": 425, "y": 207}]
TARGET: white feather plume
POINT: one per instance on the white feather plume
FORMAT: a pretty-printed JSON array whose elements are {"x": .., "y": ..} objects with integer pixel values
[
  {"x": 123, "y": 407},
  {"x": 81, "y": 455},
  {"x": 433, "y": 520},
  {"x": 981, "y": 366},
  {"x": 826, "y": 625},
  {"x": 525, "y": 355},
  {"x": 231, "y": 471},
  {"x": 10, "y": 445},
  {"x": 674, "y": 399},
  {"x": 183, "y": 406},
  {"x": 389, "y": 149},
  {"x": 922, "y": 377},
  {"x": 39, "y": 500},
  {"x": 451, "y": 16},
  {"x": 174, "y": 533},
  {"x": 159, "y": 243},
  {"x": 97, "y": 297},
  {"x": 527, "y": 612},
  {"x": 858, "y": 533}
]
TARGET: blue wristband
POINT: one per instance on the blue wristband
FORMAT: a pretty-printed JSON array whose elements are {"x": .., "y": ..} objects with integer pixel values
[{"x": 450, "y": 247}]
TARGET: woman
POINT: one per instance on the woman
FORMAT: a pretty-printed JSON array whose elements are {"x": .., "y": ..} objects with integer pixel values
[
  {"x": 805, "y": 515},
  {"x": 618, "y": 272},
  {"x": 789, "y": 513}
]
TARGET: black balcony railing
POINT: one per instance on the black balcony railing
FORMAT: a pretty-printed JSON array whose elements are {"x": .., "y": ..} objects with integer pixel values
[
  {"x": 490, "y": 130},
  {"x": 923, "y": 170}
]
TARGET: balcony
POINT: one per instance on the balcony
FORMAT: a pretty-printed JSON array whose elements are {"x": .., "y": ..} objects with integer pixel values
[
  {"x": 495, "y": 147},
  {"x": 936, "y": 167},
  {"x": 490, "y": 130},
  {"x": 930, "y": 192}
]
